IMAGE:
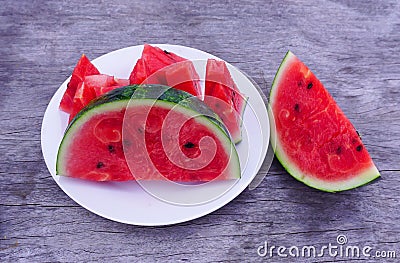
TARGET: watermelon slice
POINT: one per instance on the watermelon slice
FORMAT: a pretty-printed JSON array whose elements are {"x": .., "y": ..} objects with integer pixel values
[
  {"x": 223, "y": 96},
  {"x": 155, "y": 63},
  {"x": 83, "y": 68},
  {"x": 315, "y": 141},
  {"x": 92, "y": 146}
]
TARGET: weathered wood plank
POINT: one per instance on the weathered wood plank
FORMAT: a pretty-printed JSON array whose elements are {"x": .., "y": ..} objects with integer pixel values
[{"x": 352, "y": 46}]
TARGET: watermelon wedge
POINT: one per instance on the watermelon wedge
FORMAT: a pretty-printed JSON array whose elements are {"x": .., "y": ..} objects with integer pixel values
[
  {"x": 155, "y": 63},
  {"x": 83, "y": 68},
  {"x": 223, "y": 96},
  {"x": 96, "y": 145},
  {"x": 315, "y": 141}
]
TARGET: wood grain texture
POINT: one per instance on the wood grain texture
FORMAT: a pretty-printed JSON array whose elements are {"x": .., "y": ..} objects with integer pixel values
[{"x": 352, "y": 46}]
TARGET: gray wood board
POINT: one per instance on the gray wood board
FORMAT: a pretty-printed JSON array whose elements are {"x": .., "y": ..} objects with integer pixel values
[{"x": 352, "y": 46}]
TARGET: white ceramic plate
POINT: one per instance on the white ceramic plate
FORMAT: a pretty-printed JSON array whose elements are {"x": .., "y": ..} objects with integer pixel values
[{"x": 128, "y": 202}]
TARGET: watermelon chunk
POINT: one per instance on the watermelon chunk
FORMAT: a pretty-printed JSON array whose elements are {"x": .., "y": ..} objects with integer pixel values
[
  {"x": 159, "y": 57},
  {"x": 101, "y": 80},
  {"x": 92, "y": 87},
  {"x": 83, "y": 68},
  {"x": 155, "y": 64},
  {"x": 83, "y": 96},
  {"x": 183, "y": 76},
  {"x": 121, "y": 82},
  {"x": 94, "y": 146},
  {"x": 102, "y": 83},
  {"x": 99, "y": 91},
  {"x": 223, "y": 96},
  {"x": 139, "y": 73},
  {"x": 315, "y": 141}
]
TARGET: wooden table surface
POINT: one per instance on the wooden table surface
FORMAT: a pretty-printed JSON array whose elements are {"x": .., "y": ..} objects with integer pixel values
[{"x": 352, "y": 46}]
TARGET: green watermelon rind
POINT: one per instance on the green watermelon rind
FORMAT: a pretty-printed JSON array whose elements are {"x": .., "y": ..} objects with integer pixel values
[
  {"x": 120, "y": 98},
  {"x": 363, "y": 178}
]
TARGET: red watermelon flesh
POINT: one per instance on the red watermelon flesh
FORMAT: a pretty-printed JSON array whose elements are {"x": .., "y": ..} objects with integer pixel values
[
  {"x": 163, "y": 57},
  {"x": 97, "y": 152},
  {"x": 83, "y": 68},
  {"x": 102, "y": 90},
  {"x": 315, "y": 141},
  {"x": 102, "y": 83},
  {"x": 174, "y": 162},
  {"x": 174, "y": 56},
  {"x": 121, "y": 82},
  {"x": 183, "y": 76},
  {"x": 92, "y": 146},
  {"x": 83, "y": 95},
  {"x": 223, "y": 96},
  {"x": 152, "y": 66},
  {"x": 153, "y": 60},
  {"x": 92, "y": 87},
  {"x": 139, "y": 73},
  {"x": 101, "y": 80}
]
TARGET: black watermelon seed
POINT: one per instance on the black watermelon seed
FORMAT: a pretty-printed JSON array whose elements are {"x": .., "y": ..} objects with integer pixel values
[
  {"x": 99, "y": 165},
  {"x": 189, "y": 145},
  {"x": 166, "y": 52},
  {"x": 359, "y": 148},
  {"x": 309, "y": 86},
  {"x": 111, "y": 148},
  {"x": 300, "y": 83},
  {"x": 339, "y": 150},
  {"x": 296, "y": 107}
]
